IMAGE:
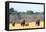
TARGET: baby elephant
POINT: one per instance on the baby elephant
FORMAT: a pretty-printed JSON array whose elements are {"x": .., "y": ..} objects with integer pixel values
[
  {"x": 23, "y": 23},
  {"x": 38, "y": 22}
]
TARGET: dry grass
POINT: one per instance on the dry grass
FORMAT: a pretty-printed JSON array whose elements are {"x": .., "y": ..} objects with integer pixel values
[{"x": 31, "y": 25}]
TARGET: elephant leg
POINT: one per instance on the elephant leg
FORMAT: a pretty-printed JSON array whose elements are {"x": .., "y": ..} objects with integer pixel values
[{"x": 13, "y": 24}]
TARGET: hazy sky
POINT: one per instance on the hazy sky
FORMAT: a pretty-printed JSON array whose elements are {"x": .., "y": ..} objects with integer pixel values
[{"x": 20, "y": 7}]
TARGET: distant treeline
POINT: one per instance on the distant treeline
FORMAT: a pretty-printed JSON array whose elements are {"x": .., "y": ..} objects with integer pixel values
[{"x": 14, "y": 12}]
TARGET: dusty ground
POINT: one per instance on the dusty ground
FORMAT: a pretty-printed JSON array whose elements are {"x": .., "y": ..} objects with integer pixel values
[{"x": 31, "y": 25}]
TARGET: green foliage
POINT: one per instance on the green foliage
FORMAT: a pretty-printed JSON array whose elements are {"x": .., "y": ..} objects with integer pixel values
[
  {"x": 11, "y": 10},
  {"x": 30, "y": 12}
]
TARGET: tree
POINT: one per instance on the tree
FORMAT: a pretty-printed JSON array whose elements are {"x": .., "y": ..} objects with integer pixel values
[
  {"x": 43, "y": 12},
  {"x": 37, "y": 13},
  {"x": 11, "y": 10},
  {"x": 15, "y": 12},
  {"x": 30, "y": 12}
]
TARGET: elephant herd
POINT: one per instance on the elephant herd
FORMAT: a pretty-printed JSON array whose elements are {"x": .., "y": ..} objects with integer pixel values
[{"x": 24, "y": 24}]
